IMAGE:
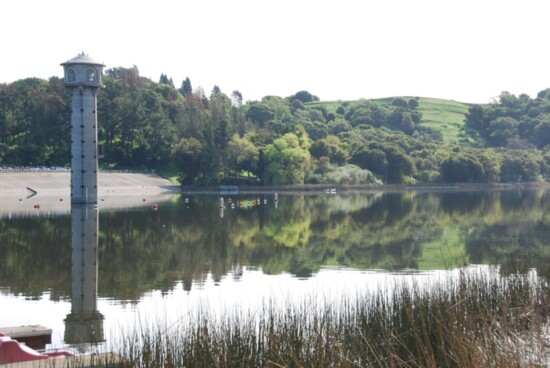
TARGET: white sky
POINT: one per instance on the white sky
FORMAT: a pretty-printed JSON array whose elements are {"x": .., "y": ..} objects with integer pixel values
[{"x": 469, "y": 50}]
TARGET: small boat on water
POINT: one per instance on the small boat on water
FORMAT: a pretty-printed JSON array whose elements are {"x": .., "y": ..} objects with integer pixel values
[
  {"x": 13, "y": 351},
  {"x": 34, "y": 336},
  {"x": 25, "y": 346}
]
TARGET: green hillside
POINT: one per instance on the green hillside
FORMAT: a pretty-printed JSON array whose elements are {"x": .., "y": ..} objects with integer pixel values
[{"x": 445, "y": 117}]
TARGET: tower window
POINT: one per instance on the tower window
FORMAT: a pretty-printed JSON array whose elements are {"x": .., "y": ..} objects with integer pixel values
[
  {"x": 71, "y": 76},
  {"x": 91, "y": 75}
]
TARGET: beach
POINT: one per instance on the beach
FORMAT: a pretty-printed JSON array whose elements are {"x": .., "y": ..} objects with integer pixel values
[{"x": 116, "y": 190}]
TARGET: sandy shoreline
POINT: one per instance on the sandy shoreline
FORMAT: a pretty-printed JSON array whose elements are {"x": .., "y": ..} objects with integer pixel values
[
  {"x": 116, "y": 190},
  {"x": 55, "y": 183}
]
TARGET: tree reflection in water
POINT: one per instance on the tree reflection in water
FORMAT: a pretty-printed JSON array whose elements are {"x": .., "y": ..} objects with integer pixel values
[{"x": 184, "y": 241}]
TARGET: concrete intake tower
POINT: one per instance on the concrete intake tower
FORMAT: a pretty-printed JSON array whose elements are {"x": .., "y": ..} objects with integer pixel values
[{"x": 82, "y": 76}]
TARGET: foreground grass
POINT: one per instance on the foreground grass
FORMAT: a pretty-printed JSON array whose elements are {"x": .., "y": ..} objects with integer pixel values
[{"x": 471, "y": 320}]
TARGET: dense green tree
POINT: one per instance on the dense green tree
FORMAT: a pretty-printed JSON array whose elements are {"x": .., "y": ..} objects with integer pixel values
[
  {"x": 520, "y": 166},
  {"x": 220, "y": 110},
  {"x": 320, "y": 148},
  {"x": 108, "y": 114},
  {"x": 474, "y": 117},
  {"x": 259, "y": 113},
  {"x": 400, "y": 102},
  {"x": 216, "y": 135},
  {"x": 281, "y": 108},
  {"x": 490, "y": 161},
  {"x": 34, "y": 119},
  {"x": 541, "y": 133},
  {"x": 240, "y": 124},
  {"x": 129, "y": 77},
  {"x": 243, "y": 155},
  {"x": 188, "y": 157},
  {"x": 316, "y": 130},
  {"x": 372, "y": 159},
  {"x": 287, "y": 160},
  {"x": 461, "y": 168},
  {"x": 400, "y": 164},
  {"x": 303, "y": 96},
  {"x": 131, "y": 111},
  {"x": 406, "y": 124},
  {"x": 338, "y": 125},
  {"x": 412, "y": 103},
  {"x": 502, "y": 129},
  {"x": 296, "y": 105},
  {"x": 261, "y": 172},
  {"x": 193, "y": 116},
  {"x": 363, "y": 115},
  {"x": 330, "y": 147},
  {"x": 6, "y": 108}
]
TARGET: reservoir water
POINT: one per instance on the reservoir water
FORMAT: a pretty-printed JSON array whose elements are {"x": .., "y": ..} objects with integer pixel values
[{"x": 91, "y": 273}]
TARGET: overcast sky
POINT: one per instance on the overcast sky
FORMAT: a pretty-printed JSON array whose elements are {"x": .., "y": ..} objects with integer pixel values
[{"x": 468, "y": 50}]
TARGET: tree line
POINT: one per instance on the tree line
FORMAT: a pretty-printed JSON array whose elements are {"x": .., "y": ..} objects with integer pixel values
[{"x": 219, "y": 138}]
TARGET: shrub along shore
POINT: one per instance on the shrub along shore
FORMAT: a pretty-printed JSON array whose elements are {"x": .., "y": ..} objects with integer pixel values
[{"x": 472, "y": 319}]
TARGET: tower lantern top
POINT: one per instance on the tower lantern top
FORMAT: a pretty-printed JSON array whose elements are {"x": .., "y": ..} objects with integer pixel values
[{"x": 82, "y": 71}]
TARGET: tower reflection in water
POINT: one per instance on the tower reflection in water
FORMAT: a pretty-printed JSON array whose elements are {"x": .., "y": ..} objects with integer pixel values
[{"x": 84, "y": 325}]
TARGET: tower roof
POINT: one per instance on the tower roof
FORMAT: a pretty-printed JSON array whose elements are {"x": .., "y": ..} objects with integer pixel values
[{"x": 82, "y": 59}]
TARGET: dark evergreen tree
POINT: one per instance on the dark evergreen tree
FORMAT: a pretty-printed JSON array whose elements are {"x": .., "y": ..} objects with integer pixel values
[
  {"x": 186, "y": 88},
  {"x": 165, "y": 80}
]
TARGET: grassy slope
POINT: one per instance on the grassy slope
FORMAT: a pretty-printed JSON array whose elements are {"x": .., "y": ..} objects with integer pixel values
[
  {"x": 446, "y": 117},
  {"x": 443, "y": 116}
]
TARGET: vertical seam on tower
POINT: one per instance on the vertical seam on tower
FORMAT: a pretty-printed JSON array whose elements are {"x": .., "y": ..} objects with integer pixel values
[{"x": 82, "y": 140}]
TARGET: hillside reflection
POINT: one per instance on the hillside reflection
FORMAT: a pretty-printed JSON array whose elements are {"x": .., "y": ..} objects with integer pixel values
[{"x": 187, "y": 239}]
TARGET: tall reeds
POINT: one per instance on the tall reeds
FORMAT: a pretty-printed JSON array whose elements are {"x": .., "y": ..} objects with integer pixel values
[{"x": 474, "y": 319}]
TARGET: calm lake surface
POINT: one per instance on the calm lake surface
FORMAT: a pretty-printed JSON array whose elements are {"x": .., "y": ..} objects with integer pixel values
[{"x": 90, "y": 273}]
